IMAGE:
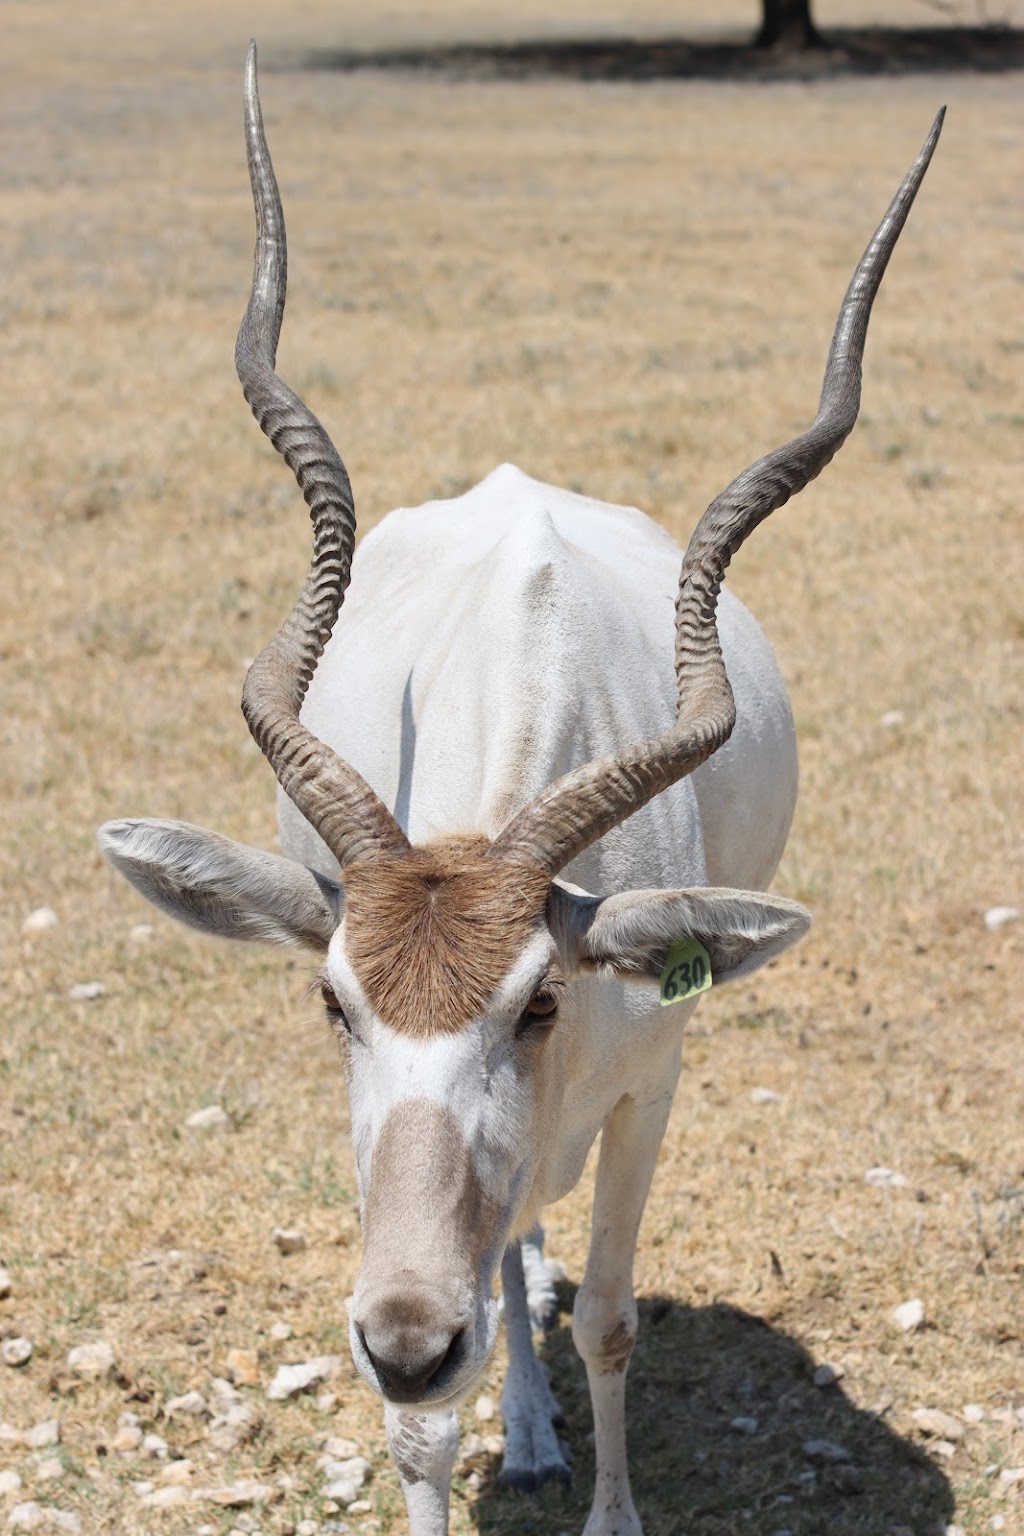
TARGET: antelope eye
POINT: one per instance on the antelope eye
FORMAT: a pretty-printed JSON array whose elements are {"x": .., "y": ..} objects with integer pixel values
[
  {"x": 541, "y": 1009},
  {"x": 335, "y": 1012}
]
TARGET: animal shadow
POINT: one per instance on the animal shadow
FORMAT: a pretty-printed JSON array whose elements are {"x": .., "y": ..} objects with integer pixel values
[{"x": 722, "y": 1413}]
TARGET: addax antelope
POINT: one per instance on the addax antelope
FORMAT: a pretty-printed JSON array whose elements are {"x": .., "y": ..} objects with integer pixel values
[{"x": 514, "y": 830}]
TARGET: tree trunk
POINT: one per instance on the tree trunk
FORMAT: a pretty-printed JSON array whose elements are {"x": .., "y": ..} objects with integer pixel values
[{"x": 787, "y": 24}]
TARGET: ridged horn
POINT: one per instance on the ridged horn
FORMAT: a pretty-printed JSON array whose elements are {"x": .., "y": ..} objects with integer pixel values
[
  {"x": 333, "y": 797},
  {"x": 584, "y": 804}
]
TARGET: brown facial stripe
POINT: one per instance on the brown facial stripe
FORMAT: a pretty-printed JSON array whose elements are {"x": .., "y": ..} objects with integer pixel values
[
  {"x": 431, "y": 932},
  {"x": 420, "y": 1162}
]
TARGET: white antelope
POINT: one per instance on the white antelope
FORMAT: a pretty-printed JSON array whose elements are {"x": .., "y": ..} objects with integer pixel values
[{"x": 539, "y": 846}]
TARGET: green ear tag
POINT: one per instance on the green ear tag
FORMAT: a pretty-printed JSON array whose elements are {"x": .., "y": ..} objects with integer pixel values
[{"x": 687, "y": 972}]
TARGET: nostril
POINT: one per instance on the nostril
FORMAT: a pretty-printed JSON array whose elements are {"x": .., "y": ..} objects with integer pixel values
[{"x": 405, "y": 1367}]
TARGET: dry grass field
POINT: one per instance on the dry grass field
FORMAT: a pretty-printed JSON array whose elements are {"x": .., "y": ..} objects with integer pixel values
[{"x": 627, "y": 288}]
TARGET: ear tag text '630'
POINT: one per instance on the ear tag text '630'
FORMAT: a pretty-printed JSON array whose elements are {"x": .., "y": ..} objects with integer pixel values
[{"x": 687, "y": 972}]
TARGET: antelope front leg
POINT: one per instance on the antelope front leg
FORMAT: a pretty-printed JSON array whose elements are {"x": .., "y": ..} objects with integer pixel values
[
  {"x": 424, "y": 1446},
  {"x": 604, "y": 1317},
  {"x": 532, "y": 1453}
]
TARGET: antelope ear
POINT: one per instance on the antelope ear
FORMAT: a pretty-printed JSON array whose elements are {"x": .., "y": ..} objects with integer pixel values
[
  {"x": 630, "y": 934},
  {"x": 222, "y": 887}
]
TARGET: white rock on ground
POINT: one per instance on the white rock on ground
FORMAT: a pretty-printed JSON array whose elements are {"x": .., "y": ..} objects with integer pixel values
[
  {"x": 827, "y": 1375},
  {"x": 50, "y": 1470},
  {"x": 37, "y": 1517},
  {"x": 891, "y": 719},
  {"x": 141, "y": 933},
  {"x": 15, "y": 1352},
  {"x": 290, "y": 1380},
  {"x": 189, "y": 1405},
  {"x": 167, "y": 1497},
  {"x": 176, "y": 1474},
  {"x": 64, "y": 1520},
  {"x": 825, "y": 1451},
  {"x": 886, "y": 1177},
  {"x": 46, "y": 1432},
  {"x": 344, "y": 1478},
  {"x": 974, "y": 1413},
  {"x": 360, "y": 1507},
  {"x": 10, "y": 1482},
  {"x": 932, "y": 1421},
  {"x": 339, "y": 1449},
  {"x": 212, "y": 1118},
  {"x": 155, "y": 1446},
  {"x": 229, "y": 1430},
  {"x": 86, "y": 991},
  {"x": 342, "y": 1490},
  {"x": 909, "y": 1315},
  {"x": 998, "y": 917},
  {"x": 26, "y": 1517},
  {"x": 126, "y": 1440},
  {"x": 280, "y": 1331},
  {"x": 222, "y": 1394},
  {"x": 94, "y": 1359},
  {"x": 765, "y": 1096},
  {"x": 484, "y": 1408},
  {"x": 5, "y": 1283},
  {"x": 39, "y": 920},
  {"x": 288, "y": 1240},
  {"x": 237, "y": 1495}
]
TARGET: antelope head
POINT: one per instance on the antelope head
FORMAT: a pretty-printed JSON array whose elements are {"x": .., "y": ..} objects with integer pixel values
[{"x": 450, "y": 972}]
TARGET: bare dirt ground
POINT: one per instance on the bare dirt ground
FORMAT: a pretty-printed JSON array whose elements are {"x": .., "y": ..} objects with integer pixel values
[{"x": 627, "y": 288}]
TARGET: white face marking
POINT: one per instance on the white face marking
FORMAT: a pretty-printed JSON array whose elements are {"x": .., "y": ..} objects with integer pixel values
[
  {"x": 472, "y": 1073},
  {"x": 484, "y": 1077}
]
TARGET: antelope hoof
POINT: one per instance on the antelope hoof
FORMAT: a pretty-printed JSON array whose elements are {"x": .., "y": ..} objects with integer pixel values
[
  {"x": 527, "y": 1479},
  {"x": 534, "y": 1455}
]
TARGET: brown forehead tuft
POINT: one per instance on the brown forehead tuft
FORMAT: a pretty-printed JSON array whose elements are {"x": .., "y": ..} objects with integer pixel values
[{"x": 431, "y": 932}]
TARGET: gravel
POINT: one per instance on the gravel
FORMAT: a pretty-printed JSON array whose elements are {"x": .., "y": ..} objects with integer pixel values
[
  {"x": 909, "y": 1315},
  {"x": 998, "y": 917},
  {"x": 39, "y": 920},
  {"x": 290, "y": 1380},
  {"x": 288, "y": 1240},
  {"x": 86, "y": 991},
  {"x": 189, "y": 1405},
  {"x": 886, "y": 1177},
  {"x": 95, "y": 1359},
  {"x": 16, "y": 1352},
  {"x": 939, "y": 1425},
  {"x": 825, "y": 1451},
  {"x": 212, "y": 1118},
  {"x": 41, "y": 1435}
]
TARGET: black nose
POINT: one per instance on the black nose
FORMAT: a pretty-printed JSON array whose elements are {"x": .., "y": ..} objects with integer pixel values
[{"x": 408, "y": 1361}]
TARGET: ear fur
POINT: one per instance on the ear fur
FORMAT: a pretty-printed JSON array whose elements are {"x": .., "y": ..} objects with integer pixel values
[
  {"x": 222, "y": 887},
  {"x": 630, "y": 934}
]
